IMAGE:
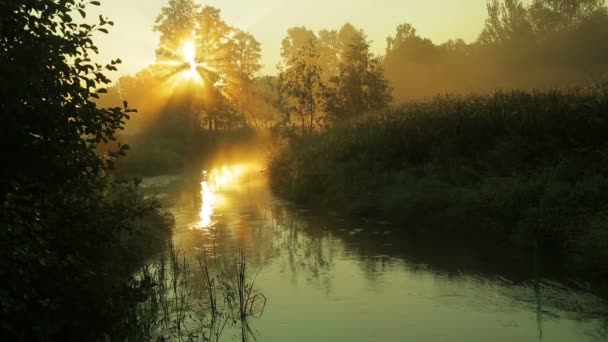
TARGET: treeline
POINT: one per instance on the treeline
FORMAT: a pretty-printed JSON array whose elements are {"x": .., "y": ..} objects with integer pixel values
[
  {"x": 546, "y": 44},
  {"x": 331, "y": 76}
]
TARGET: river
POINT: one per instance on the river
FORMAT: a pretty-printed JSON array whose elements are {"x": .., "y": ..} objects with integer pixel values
[{"x": 333, "y": 278}]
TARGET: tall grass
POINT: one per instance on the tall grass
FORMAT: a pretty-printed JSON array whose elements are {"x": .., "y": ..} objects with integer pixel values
[
  {"x": 518, "y": 167},
  {"x": 174, "y": 306}
]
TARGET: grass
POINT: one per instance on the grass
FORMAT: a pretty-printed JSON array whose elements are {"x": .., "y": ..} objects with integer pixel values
[
  {"x": 514, "y": 168},
  {"x": 174, "y": 305}
]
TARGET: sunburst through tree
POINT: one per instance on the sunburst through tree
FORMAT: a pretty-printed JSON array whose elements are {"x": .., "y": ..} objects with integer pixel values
[{"x": 201, "y": 54}]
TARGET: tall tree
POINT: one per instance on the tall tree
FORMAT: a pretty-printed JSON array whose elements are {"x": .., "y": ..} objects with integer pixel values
[
  {"x": 298, "y": 38},
  {"x": 507, "y": 22},
  {"x": 176, "y": 24},
  {"x": 223, "y": 58},
  {"x": 405, "y": 32},
  {"x": 360, "y": 85},
  {"x": 245, "y": 59},
  {"x": 553, "y": 16},
  {"x": 330, "y": 51},
  {"x": 301, "y": 88}
]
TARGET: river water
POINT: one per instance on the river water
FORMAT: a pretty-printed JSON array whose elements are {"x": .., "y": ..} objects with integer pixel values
[{"x": 332, "y": 278}]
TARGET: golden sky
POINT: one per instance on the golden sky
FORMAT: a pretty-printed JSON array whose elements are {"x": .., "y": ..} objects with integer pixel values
[{"x": 132, "y": 39}]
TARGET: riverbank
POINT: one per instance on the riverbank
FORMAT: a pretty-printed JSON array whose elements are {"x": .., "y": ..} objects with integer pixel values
[
  {"x": 521, "y": 170},
  {"x": 83, "y": 253}
]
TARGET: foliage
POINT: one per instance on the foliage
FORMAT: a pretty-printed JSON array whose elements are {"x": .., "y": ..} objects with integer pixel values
[
  {"x": 301, "y": 90},
  {"x": 64, "y": 223},
  {"x": 506, "y": 22},
  {"x": 181, "y": 116},
  {"x": 226, "y": 58},
  {"x": 327, "y": 79},
  {"x": 518, "y": 167},
  {"x": 175, "y": 23},
  {"x": 544, "y": 44},
  {"x": 360, "y": 86}
]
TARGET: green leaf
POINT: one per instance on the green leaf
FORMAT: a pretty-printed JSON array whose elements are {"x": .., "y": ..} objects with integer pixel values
[{"x": 82, "y": 13}]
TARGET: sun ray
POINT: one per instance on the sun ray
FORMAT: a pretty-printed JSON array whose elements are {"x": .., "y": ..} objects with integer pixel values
[{"x": 195, "y": 62}]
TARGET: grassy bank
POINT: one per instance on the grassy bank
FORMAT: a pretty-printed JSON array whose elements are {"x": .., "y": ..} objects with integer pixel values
[{"x": 522, "y": 168}]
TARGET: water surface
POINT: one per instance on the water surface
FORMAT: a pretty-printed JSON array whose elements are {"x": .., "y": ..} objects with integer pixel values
[{"x": 332, "y": 278}]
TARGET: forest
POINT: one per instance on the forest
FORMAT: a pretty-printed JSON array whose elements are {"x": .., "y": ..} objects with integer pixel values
[{"x": 498, "y": 143}]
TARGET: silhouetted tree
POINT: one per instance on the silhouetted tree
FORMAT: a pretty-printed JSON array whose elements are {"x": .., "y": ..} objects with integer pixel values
[
  {"x": 360, "y": 85},
  {"x": 176, "y": 24},
  {"x": 61, "y": 218},
  {"x": 226, "y": 58},
  {"x": 553, "y": 16},
  {"x": 507, "y": 21},
  {"x": 333, "y": 77},
  {"x": 405, "y": 33}
]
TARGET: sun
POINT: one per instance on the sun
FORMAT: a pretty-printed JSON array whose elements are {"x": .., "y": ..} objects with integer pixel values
[
  {"x": 183, "y": 63},
  {"x": 189, "y": 55}
]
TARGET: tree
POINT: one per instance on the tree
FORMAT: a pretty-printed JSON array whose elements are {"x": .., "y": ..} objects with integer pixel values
[
  {"x": 335, "y": 74},
  {"x": 176, "y": 24},
  {"x": 554, "y": 16},
  {"x": 301, "y": 88},
  {"x": 226, "y": 59},
  {"x": 405, "y": 32},
  {"x": 245, "y": 59},
  {"x": 246, "y": 55},
  {"x": 330, "y": 51},
  {"x": 507, "y": 22},
  {"x": 60, "y": 214},
  {"x": 298, "y": 38},
  {"x": 360, "y": 85}
]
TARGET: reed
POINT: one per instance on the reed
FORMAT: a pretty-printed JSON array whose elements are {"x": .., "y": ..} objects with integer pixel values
[{"x": 512, "y": 168}]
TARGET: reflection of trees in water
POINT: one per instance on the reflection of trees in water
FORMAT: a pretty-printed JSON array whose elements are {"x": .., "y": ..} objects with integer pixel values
[
  {"x": 307, "y": 246},
  {"x": 310, "y": 244},
  {"x": 602, "y": 333},
  {"x": 302, "y": 247}
]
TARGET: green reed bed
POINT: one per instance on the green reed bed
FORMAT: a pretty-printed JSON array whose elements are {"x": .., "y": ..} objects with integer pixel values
[{"x": 520, "y": 168}]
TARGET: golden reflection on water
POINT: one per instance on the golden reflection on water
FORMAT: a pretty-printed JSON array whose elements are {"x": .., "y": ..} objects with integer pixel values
[
  {"x": 206, "y": 213},
  {"x": 214, "y": 182}
]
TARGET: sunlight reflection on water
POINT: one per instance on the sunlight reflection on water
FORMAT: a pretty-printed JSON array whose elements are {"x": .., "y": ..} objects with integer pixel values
[
  {"x": 360, "y": 280},
  {"x": 206, "y": 213},
  {"x": 214, "y": 183}
]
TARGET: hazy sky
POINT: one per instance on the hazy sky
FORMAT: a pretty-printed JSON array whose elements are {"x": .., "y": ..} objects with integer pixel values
[{"x": 132, "y": 39}]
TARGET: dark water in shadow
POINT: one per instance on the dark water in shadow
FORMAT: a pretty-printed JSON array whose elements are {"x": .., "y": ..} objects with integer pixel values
[{"x": 330, "y": 278}]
